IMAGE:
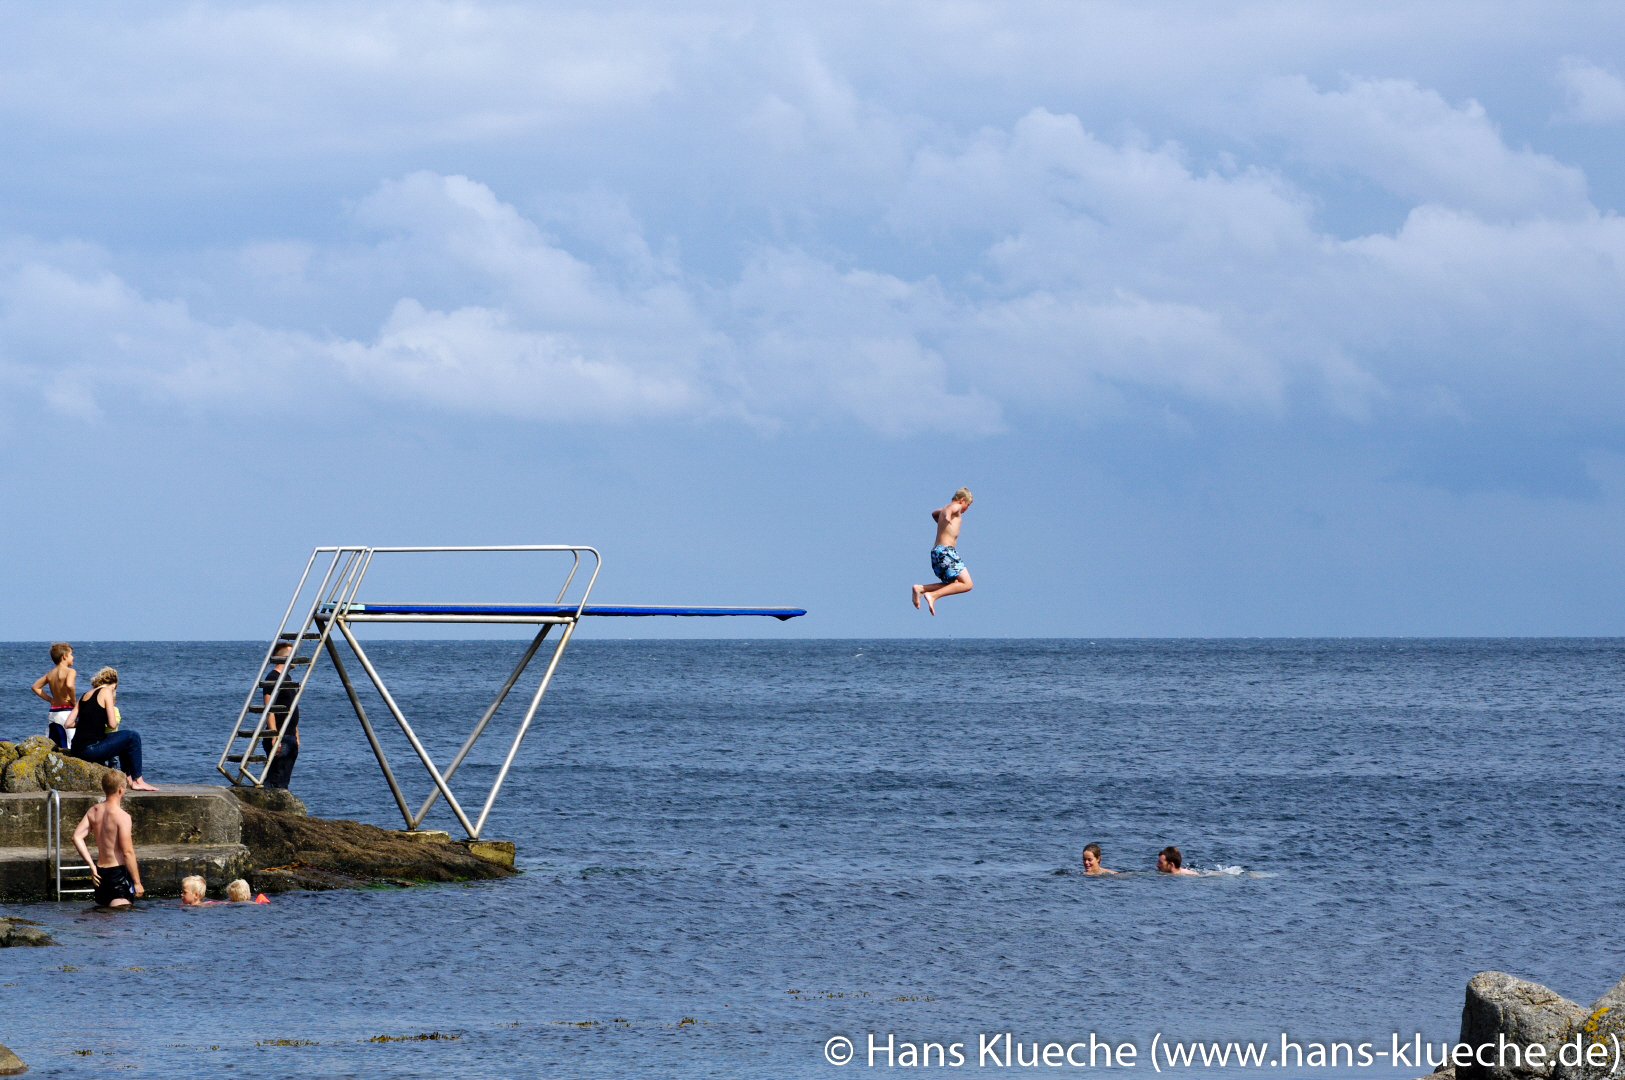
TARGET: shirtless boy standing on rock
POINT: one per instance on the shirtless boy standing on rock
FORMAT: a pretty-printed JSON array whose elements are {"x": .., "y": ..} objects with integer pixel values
[
  {"x": 59, "y": 691},
  {"x": 114, "y": 870},
  {"x": 952, "y": 577}
]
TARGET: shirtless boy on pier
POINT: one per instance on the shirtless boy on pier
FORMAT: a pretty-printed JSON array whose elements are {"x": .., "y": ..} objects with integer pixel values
[
  {"x": 113, "y": 871},
  {"x": 58, "y": 689},
  {"x": 952, "y": 577}
]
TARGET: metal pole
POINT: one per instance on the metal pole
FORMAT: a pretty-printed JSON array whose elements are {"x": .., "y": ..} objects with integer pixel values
[
  {"x": 524, "y": 662},
  {"x": 411, "y": 736},
  {"x": 361, "y": 714},
  {"x": 53, "y": 837},
  {"x": 513, "y": 750}
]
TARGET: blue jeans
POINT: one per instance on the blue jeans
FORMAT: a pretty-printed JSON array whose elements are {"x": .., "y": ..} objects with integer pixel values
[{"x": 124, "y": 745}]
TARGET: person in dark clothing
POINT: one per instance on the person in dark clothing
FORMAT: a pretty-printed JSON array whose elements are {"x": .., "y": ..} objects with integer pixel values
[
  {"x": 96, "y": 736},
  {"x": 281, "y": 770}
]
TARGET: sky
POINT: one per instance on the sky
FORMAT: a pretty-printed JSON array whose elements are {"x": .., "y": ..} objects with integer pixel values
[{"x": 1239, "y": 319}]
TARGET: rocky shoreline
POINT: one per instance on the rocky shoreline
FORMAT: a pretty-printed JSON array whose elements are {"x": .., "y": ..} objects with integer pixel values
[
  {"x": 286, "y": 849},
  {"x": 291, "y": 850}
]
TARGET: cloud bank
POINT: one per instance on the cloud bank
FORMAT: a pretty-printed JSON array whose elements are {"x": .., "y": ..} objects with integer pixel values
[{"x": 874, "y": 260}]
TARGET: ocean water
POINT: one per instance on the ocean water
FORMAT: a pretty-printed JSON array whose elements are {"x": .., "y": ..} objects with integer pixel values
[{"x": 738, "y": 851}]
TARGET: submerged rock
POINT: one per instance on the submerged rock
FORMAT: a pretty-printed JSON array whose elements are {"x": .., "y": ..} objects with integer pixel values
[
  {"x": 1525, "y": 1013},
  {"x": 11, "y": 1064},
  {"x": 14, "y": 932},
  {"x": 36, "y": 765},
  {"x": 293, "y": 852}
]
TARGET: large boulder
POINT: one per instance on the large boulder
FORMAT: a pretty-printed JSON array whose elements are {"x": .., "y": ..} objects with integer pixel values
[
  {"x": 11, "y": 1064},
  {"x": 39, "y": 766},
  {"x": 1525, "y": 1013},
  {"x": 1602, "y": 1026}
]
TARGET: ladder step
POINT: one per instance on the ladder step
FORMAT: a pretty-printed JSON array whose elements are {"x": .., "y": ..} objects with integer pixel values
[
  {"x": 297, "y": 637},
  {"x": 278, "y": 709},
  {"x": 249, "y": 733},
  {"x": 251, "y": 757},
  {"x": 270, "y": 684},
  {"x": 300, "y": 659}
]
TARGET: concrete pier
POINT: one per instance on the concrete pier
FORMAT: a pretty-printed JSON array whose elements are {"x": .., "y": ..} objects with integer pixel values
[{"x": 180, "y": 830}]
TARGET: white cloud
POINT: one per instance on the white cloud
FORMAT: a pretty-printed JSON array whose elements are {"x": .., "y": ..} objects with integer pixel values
[
  {"x": 1420, "y": 147},
  {"x": 1595, "y": 95}
]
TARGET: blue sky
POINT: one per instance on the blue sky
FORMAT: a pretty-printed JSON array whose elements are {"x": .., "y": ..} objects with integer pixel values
[{"x": 1239, "y": 319}]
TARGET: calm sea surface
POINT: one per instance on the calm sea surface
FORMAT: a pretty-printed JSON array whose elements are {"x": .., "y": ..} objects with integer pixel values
[{"x": 735, "y": 851}]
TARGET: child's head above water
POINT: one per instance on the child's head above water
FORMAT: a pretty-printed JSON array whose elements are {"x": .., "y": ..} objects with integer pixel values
[
  {"x": 963, "y": 495},
  {"x": 193, "y": 890},
  {"x": 237, "y": 891}
]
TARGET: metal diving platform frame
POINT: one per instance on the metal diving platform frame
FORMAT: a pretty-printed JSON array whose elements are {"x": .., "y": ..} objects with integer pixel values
[{"x": 332, "y": 612}]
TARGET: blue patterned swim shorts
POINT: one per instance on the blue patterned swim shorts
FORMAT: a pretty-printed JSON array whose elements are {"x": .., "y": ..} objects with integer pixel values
[{"x": 945, "y": 563}]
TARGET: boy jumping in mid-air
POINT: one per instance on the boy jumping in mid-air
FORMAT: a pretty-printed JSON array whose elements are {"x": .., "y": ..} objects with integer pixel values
[
  {"x": 57, "y": 688},
  {"x": 952, "y": 577},
  {"x": 113, "y": 871}
]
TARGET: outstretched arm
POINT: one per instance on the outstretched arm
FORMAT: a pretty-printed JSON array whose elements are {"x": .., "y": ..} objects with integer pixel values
[{"x": 81, "y": 831}]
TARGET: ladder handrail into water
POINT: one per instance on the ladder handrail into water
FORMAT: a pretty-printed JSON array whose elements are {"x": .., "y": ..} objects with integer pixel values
[
  {"x": 53, "y": 845},
  {"x": 334, "y": 607}
]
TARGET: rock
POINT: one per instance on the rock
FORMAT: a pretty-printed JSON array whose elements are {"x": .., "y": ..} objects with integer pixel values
[
  {"x": 292, "y": 852},
  {"x": 1603, "y": 1026},
  {"x": 22, "y": 932},
  {"x": 39, "y": 766},
  {"x": 11, "y": 1064},
  {"x": 497, "y": 851},
  {"x": 8, "y": 754},
  {"x": 1525, "y": 1012},
  {"x": 280, "y": 800},
  {"x": 1613, "y": 999}
]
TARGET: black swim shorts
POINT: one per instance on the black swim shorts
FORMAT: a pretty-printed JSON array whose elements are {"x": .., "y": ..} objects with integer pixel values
[{"x": 116, "y": 885}]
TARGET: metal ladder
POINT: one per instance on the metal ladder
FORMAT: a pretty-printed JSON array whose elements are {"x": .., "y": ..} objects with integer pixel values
[
  {"x": 337, "y": 587},
  {"x": 53, "y": 847}
]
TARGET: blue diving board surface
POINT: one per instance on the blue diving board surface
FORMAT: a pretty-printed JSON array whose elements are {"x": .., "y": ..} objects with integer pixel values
[{"x": 779, "y": 613}]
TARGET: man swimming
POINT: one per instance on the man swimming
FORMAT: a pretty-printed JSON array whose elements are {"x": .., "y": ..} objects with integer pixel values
[
  {"x": 952, "y": 577},
  {"x": 1170, "y": 861},
  {"x": 57, "y": 688},
  {"x": 113, "y": 871},
  {"x": 1091, "y": 861}
]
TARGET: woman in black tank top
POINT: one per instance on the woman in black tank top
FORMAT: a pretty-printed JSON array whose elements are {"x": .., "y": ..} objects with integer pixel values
[{"x": 92, "y": 739}]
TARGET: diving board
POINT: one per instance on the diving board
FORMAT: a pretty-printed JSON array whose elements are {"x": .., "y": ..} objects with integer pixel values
[
  {"x": 335, "y": 606},
  {"x": 371, "y": 611}
]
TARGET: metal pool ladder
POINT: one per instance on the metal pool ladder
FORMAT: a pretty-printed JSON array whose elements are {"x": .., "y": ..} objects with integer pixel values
[{"x": 53, "y": 847}]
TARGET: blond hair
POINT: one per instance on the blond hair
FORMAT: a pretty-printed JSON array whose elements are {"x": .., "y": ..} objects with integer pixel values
[
  {"x": 193, "y": 886},
  {"x": 112, "y": 782},
  {"x": 963, "y": 495},
  {"x": 104, "y": 677},
  {"x": 237, "y": 891},
  {"x": 59, "y": 649}
]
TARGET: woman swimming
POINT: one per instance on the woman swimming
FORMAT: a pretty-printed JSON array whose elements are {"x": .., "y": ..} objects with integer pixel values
[{"x": 1091, "y": 861}]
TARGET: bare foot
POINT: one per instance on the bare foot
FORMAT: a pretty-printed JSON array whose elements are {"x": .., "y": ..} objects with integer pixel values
[
  {"x": 931, "y": 602},
  {"x": 139, "y": 784},
  {"x": 918, "y": 591}
]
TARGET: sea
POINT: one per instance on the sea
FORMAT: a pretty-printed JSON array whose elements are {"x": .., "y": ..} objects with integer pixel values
[{"x": 824, "y": 858}]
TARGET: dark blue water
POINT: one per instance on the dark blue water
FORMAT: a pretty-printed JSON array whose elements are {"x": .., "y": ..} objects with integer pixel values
[{"x": 738, "y": 850}]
